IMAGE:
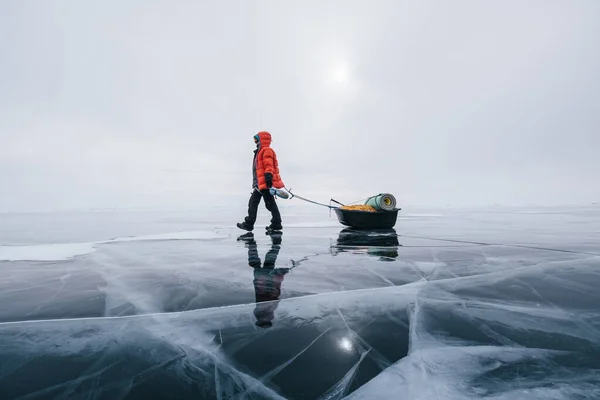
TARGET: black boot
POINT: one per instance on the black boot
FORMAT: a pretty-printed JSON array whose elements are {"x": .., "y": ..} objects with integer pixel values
[{"x": 245, "y": 226}]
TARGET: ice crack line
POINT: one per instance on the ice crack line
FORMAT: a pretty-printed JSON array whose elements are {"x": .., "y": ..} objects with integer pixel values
[
  {"x": 269, "y": 375},
  {"x": 502, "y": 244}
]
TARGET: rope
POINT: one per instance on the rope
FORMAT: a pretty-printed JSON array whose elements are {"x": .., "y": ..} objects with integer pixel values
[{"x": 307, "y": 200}]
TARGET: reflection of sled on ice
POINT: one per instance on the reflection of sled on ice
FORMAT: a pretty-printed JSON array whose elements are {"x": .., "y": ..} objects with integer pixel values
[{"x": 381, "y": 243}]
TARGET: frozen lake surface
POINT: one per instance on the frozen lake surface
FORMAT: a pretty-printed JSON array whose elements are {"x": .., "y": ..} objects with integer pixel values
[{"x": 454, "y": 304}]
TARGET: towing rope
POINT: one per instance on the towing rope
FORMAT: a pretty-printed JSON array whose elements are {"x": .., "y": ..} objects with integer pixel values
[{"x": 310, "y": 201}]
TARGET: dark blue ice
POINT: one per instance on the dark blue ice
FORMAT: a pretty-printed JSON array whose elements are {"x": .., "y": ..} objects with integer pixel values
[{"x": 451, "y": 304}]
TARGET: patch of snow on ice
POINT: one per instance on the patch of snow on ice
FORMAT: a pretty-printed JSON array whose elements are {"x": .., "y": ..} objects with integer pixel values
[
  {"x": 45, "y": 252},
  {"x": 66, "y": 251}
]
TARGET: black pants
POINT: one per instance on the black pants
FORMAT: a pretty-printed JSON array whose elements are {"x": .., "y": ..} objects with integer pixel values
[{"x": 270, "y": 203}]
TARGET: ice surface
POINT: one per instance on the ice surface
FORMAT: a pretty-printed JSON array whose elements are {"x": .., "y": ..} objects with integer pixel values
[
  {"x": 193, "y": 235},
  {"x": 45, "y": 252},
  {"x": 65, "y": 251},
  {"x": 452, "y": 304}
]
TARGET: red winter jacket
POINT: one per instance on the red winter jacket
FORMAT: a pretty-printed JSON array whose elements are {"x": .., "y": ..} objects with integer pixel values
[{"x": 266, "y": 162}]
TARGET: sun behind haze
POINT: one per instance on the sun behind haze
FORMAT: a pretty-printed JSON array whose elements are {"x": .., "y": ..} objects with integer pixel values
[{"x": 154, "y": 104}]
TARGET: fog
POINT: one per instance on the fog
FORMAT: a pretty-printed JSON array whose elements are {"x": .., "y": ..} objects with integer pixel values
[{"x": 154, "y": 104}]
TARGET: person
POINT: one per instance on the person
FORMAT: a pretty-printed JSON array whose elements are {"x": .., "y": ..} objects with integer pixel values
[
  {"x": 265, "y": 176},
  {"x": 267, "y": 278}
]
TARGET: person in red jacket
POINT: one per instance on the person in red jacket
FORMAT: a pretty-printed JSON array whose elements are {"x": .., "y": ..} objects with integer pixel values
[{"x": 265, "y": 174}]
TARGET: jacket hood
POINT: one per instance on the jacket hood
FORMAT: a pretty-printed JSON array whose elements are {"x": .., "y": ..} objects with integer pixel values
[{"x": 265, "y": 139}]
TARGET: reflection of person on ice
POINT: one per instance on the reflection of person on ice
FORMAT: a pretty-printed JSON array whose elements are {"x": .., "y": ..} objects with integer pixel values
[
  {"x": 265, "y": 174},
  {"x": 267, "y": 279}
]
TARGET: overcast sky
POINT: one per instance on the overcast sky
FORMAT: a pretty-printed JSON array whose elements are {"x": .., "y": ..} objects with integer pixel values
[{"x": 154, "y": 103}]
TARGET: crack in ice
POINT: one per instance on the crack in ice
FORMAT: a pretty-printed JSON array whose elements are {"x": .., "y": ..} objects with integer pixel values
[
  {"x": 269, "y": 375},
  {"x": 341, "y": 388}
]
